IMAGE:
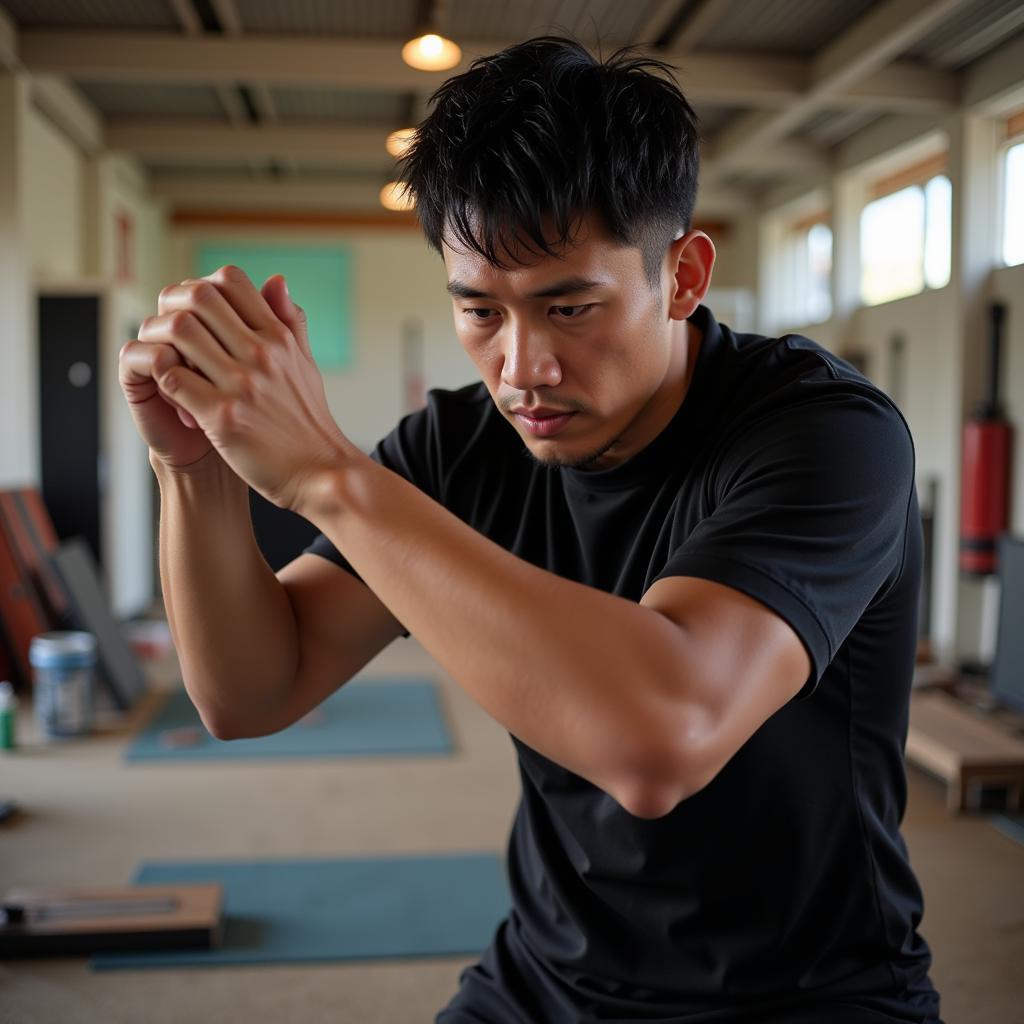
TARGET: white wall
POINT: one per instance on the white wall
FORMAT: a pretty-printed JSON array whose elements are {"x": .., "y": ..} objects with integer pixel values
[
  {"x": 19, "y": 441},
  {"x": 65, "y": 203},
  {"x": 54, "y": 200}
]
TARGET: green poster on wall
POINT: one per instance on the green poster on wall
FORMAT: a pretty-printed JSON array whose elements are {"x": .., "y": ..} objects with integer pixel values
[{"x": 319, "y": 280}]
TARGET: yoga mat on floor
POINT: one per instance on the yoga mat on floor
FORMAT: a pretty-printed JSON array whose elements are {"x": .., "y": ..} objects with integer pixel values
[
  {"x": 365, "y": 716},
  {"x": 1011, "y": 825},
  {"x": 307, "y": 911}
]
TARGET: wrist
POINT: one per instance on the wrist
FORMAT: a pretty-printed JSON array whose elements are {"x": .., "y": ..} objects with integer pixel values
[
  {"x": 209, "y": 469},
  {"x": 327, "y": 490}
]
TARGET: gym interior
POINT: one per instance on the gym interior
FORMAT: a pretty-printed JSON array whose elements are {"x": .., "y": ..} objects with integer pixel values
[{"x": 862, "y": 179}]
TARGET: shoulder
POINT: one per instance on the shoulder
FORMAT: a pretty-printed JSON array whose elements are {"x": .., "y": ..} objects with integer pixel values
[{"x": 793, "y": 381}]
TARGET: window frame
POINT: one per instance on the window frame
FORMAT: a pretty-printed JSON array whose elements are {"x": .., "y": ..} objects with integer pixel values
[
  {"x": 1012, "y": 135},
  {"x": 915, "y": 174}
]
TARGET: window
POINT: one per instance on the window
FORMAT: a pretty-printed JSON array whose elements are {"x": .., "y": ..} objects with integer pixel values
[
  {"x": 905, "y": 234},
  {"x": 804, "y": 273},
  {"x": 1013, "y": 191}
]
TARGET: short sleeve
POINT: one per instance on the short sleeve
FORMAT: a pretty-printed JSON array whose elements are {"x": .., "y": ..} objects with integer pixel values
[{"x": 809, "y": 513}]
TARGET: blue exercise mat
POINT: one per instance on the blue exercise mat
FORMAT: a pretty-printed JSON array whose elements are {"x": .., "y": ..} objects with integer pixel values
[
  {"x": 309, "y": 911},
  {"x": 369, "y": 716},
  {"x": 1011, "y": 825}
]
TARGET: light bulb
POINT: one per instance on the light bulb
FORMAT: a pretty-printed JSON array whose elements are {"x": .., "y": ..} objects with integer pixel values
[
  {"x": 396, "y": 196},
  {"x": 398, "y": 142},
  {"x": 431, "y": 52}
]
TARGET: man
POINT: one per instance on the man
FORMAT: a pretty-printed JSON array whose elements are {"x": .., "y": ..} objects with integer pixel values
[{"x": 693, "y": 608}]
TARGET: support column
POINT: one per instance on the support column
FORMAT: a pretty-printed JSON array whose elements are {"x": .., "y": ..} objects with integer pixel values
[
  {"x": 19, "y": 406},
  {"x": 972, "y": 171}
]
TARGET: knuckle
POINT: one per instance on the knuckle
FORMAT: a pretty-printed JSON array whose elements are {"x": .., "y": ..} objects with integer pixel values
[
  {"x": 278, "y": 333},
  {"x": 229, "y": 272},
  {"x": 201, "y": 291},
  {"x": 182, "y": 322},
  {"x": 166, "y": 292}
]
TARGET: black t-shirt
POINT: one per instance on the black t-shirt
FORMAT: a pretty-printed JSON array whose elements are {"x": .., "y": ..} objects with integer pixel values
[{"x": 785, "y": 882}]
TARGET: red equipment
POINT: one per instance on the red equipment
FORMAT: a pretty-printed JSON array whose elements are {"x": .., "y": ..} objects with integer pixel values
[{"x": 985, "y": 478}]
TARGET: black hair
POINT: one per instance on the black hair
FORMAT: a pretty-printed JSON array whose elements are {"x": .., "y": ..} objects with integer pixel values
[{"x": 519, "y": 148}]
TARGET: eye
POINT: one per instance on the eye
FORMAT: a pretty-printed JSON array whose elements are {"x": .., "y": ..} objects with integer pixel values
[
  {"x": 480, "y": 315},
  {"x": 571, "y": 312}
]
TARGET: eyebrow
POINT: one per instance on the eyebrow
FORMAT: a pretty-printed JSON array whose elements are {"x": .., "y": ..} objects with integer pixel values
[{"x": 567, "y": 286}]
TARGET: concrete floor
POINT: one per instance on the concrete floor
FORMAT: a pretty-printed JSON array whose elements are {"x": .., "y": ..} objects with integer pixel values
[{"x": 90, "y": 819}]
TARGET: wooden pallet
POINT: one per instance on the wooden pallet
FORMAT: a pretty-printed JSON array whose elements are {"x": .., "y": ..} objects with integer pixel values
[{"x": 951, "y": 740}]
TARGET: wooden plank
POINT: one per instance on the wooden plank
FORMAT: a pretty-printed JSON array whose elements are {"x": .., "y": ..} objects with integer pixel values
[{"x": 943, "y": 728}]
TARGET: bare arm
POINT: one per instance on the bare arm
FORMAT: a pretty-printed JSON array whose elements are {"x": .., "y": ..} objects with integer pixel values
[
  {"x": 231, "y": 621},
  {"x": 647, "y": 701},
  {"x": 257, "y": 651}
]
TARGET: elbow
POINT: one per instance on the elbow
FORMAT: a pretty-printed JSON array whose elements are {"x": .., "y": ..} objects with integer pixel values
[
  {"x": 218, "y": 726},
  {"x": 659, "y": 789}
]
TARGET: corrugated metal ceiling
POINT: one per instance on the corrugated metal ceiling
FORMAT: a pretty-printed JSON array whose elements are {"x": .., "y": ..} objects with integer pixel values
[
  {"x": 149, "y": 14},
  {"x": 611, "y": 22},
  {"x": 790, "y": 27},
  {"x": 339, "y": 105},
  {"x": 969, "y": 34},
  {"x": 143, "y": 99},
  {"x": 353, "y": 18}
]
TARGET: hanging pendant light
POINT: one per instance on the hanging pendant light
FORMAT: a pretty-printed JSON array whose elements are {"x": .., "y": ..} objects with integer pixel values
[
  {"x": 396, "y": 196},
  {"x": 398, "y": 142},
  {"x": 431, "y": 52}
]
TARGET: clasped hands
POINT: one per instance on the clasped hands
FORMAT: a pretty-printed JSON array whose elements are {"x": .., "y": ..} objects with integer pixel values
[{"x": 234, "y": 363}]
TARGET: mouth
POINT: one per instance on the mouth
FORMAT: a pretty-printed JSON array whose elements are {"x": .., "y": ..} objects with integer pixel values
[{"x": 542, "y": 422}]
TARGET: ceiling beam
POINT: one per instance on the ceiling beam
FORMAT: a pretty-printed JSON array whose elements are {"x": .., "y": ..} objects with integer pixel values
[
  {"x": 764, "y": 82},
  {"x": 657, "y": 21},
  {"x": 705, "y": 13},
  {"x": 864, "y": 49},
  {"x": 994, "y": 85},
  {"x": 8, "y": 42},
  {"x": 227, "y": 15},
  {"x": 189, "y": 20},
  {"x": 901, "y": 87},
  {"x": 357, "y": 148},
  {"x": 238, "y": 193},
  {"x": 244, "y": 193},
  {"x": 205, "y": 142}
]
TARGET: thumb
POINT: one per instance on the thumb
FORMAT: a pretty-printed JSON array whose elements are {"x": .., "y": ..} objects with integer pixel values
[{"x": 275, "y": 291}]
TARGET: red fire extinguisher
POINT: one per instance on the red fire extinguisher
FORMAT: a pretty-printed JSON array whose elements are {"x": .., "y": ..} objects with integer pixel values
[{"x": 985, "y": 480}]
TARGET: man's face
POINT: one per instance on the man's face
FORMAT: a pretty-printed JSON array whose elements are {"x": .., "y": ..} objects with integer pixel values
[{"x": 577, "y": 352}]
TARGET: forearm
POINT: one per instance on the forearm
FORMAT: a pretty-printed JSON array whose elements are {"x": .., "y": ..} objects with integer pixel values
[
  {"x": 588, "y": 679},
  {"x": 232, "y": 622}
]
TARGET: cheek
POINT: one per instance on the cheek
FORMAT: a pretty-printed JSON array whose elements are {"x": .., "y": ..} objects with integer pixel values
[{"x": 483, "y": 351}]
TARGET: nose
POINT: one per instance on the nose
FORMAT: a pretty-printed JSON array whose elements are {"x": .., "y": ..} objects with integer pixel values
[{"x": 528, "y": 360}]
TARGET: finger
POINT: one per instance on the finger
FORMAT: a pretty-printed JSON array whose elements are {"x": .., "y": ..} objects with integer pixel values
[
  {"x": 187, "y": 389},
  {"x": 138, "y": 366},
  {"x": 204, "y": 300},
  {"x": 188, "y": 335},
  {"x": 281, "y": 304},
  {"x": 234, "y": 284}
]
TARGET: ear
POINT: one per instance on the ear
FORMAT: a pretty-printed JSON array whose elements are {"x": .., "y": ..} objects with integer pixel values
[{"x": 687, "y": 273}]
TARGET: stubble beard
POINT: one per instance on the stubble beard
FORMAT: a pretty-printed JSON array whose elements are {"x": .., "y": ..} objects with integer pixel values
[{"x": 580, "y": 462}]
